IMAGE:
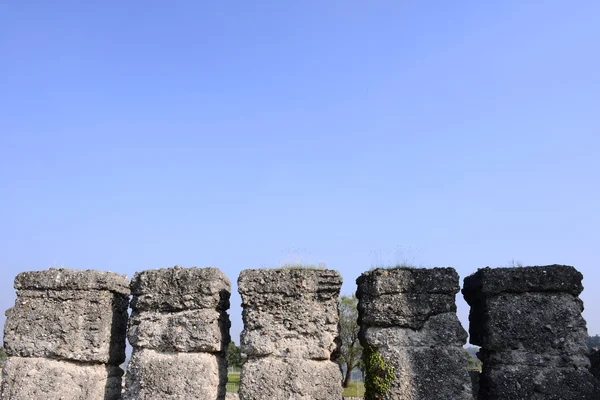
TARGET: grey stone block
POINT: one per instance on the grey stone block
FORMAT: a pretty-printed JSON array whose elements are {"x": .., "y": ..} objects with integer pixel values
[
  {"x": 518, "y": 382},
  {"x": 540, "y": 322},
  {"x": 153, "y": 375},
  {"x": 271, "y": 378},
  {"x": 40, "y": 378},
  {"x": 66, "y": 279},
  {"x": 177, "y": 289},
  {"x": 533, "y": 337},
  {"x": 80, "y": 325},
  {"x": 439, "y": 330},
  {"x": 409, "y": 310},
  {"x": 549, "y": 278},
  {"x": 408, "y": 316},
  {"x": 382, "y": 281},
  {"x": 290, "y": 312},
  {"x": 186, "y": 331},
  {"x": 424, "y": 373}
]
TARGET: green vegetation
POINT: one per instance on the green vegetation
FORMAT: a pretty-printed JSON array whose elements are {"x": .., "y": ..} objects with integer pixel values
[
  {"x": 302, "y": 266},
  {"x": 473, "y": 364},
  {"x": 234, "y": 356},
  {"x": 354, "y": 389},
  {"x": 2, "y": 355},
  {"x": 380, "y": 375},
  {"x": 233, "y": 382},
  {"x": 351, "y": 350},
  {"x": 594, "y": 342}
]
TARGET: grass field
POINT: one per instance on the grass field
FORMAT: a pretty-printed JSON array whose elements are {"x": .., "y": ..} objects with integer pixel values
[{"x": 356, "y": 389}]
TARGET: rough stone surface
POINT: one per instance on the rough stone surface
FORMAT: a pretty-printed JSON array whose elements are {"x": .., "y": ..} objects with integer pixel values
[
  {"x": 540, "y": 322},
  {"x": 475, "y": 376},
  {"x": 80, "y": 325},
  {"x": 522, "y": 382},
  {"x": 67, "y": 279},
  {"x": 406, "y": 297},
  {"x": 442, "y": 329},
  {"x": 178, "y": 289},
  {"x": 65, "y": 335},
  {"x": 28, "y": 378},
  {"x": 189, "y": 331},
  {"x": 381, "y": 281},
  {"x": 179, "y": 330},
  {"x": 290, "y": 333},
  {"x": 437, "y": 372},
  {"x": 271, "y": 378},
  {"x": 290, "y": 312},
  {"x": 154, "y": 375},
  {"x": 533, "y": 337},
  {"x": 549, "y": 278},
  {"x": 595, "y": 363},
  {"x": 408, "y": 316}
]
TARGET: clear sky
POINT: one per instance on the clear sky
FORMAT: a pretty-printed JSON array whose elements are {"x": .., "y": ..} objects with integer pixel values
[{"x": 143, "y": 134}]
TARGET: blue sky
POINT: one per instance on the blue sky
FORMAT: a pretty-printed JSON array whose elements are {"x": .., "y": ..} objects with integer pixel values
[{"x": 143, "y": 134}]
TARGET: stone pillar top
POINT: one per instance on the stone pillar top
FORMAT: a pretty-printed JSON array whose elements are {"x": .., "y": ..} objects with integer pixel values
[
  {"x": 290, "y": 281},
  {"x": 177, "y": 289},
  {"x": 68, "y": 279},
  {"x": 549, "y": 278},
  {"x": 179, "y": 280},
  {"x": 382, "y": 281}
]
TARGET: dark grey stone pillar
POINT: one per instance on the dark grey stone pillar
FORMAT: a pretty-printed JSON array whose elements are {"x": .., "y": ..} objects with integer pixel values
[{"x": 533, "y": 338}]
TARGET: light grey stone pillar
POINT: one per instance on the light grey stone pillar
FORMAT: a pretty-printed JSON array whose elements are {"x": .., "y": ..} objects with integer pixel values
[
  {"x": 179, "y": 330},
  {"x": 290, "y": 332},
  {"x": 65, "y": 336}
]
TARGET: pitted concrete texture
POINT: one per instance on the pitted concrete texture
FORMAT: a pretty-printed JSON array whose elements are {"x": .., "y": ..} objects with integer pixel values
[
  {"x": 193, "y": 330},
  {"x": 65, "y": 336},
  {"x": 396, "y": 297},
  {"x": 179, "y": 330},
  {"x": 80, "y": 325},
  {"x": 290, "y": 312},
  {"x": 442, "y": 329},
  {"x": 177, "y": 289},
  {"x": 272, "y": 378},
  {"x": 68, "y": 279},
  {"x": 154, "y": 375},
  {"x": 40, "y": 378},
  {"x": 533, "y": 336},
  {"x": 408, "y": 316},
  {"x": 437, "y": 372},
  {"x": 69, "y": 315}
]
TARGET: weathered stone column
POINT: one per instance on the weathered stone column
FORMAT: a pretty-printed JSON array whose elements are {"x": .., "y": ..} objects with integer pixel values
[
  {"x": 533, "y": 338},
  {"x": 65, "y": 336},
  {"x": 179, "y": 330},
  {"x": 411, "y": 334},
  {"x": 290, "y": 332}
]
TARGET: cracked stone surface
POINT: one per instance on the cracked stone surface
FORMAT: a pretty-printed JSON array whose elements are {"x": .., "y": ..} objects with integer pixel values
[
  {"x": 179, "y": 330},
  {"x": 408, "y": 316},
  {"x": 290, "y": 333},
  {"x": 65, "y": 335},
  {"x": 27, "y": 378},
  {"x": 534, "y": 339}
]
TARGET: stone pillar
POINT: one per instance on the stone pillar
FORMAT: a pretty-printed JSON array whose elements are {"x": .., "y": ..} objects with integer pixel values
[
  {"x": 65, "y": 336},
  {"x": 533, "y": 338},
  {"x": 290, "y": 332},
  {"x": 411, "y": 334},
  {"x": 179, "y": 330}
]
